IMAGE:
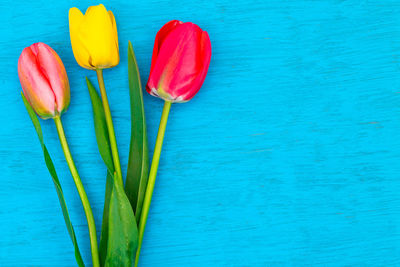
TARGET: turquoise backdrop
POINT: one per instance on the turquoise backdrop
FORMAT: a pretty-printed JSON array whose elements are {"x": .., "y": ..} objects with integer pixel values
[{"x": 288, "y": 156}]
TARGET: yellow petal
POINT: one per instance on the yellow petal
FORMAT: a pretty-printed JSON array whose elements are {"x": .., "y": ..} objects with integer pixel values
[
  {"x": 114, "y": 25},
  {"x": 96, "y": 33},
  {"x": 81, "y": 54}
]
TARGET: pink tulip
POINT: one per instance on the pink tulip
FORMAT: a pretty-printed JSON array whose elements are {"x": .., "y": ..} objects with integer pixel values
[
  {"x": 44, "y": 80},
  {"x": 181, "y": 56}
]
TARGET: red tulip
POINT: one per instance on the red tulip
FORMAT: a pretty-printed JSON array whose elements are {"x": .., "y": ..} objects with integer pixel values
[
  {"x": 44, "y": 80},
  {"x": 181, "y": 56}
]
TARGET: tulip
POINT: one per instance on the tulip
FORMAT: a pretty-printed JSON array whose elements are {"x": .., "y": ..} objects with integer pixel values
[
  {"x": 44, "y": 80},
  {"x": 181, "y": 56},
  {"x": 94, "y": 40},
  {"x": 45, "y": 85},
  {"x": 94, "y": 37}
]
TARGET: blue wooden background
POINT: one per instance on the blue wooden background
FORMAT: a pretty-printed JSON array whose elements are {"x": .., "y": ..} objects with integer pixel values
[{"x": 288, "y": 156}]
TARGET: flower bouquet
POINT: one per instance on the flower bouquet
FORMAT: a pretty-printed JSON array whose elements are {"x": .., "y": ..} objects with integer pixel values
[{"x": 180, "y": 61}]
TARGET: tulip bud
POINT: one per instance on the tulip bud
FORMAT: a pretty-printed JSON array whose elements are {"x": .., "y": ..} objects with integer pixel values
[
  {"x": 44, "y": 80},
  {"x": 181, "y": 56},
  {"x": 94, "y": 37}
]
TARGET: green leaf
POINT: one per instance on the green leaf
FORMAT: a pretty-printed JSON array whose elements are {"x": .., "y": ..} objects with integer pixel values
[
  {"x": 52, "y": 170},
  {"x": 100, "y": 127},
  {"x": 138, "y": 164},
  {"x": 122, "y": 232},
  {"x": 103, "y": 142},
  {"x": 104, "y": 224}
]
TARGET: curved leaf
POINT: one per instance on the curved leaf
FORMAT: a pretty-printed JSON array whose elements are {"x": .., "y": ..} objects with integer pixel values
[
  {"x": 122, "y": 231},
  {"x": 100, "y": 127},
  {"x": 138, "y": 164},
  {"x": 52, "y": 170}
]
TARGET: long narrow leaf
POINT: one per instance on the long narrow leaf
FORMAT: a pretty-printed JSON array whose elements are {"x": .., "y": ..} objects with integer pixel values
[
  {"x": 103, "y": 142},
  {"x": 100, "y": 127},
  {"x": 105, "y": 221},
  {"x": 138, "y": 164},
  {"x": 122, "y": 232},
  {"x": 50, "y": 167}
]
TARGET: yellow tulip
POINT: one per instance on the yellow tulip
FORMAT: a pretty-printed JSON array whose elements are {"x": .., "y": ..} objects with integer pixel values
[{"x": 94, "y": 37}]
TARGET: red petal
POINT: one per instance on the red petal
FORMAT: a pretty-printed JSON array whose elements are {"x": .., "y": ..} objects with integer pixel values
[
  {"x": 161, "y": 34},
  {"x": 205, "y": 57}
]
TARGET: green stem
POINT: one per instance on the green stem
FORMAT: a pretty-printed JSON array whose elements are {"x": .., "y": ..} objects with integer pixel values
[
  {"x": 152, "y": 176},
  {"x": 81, "y": 191},
  {"x": 110, "y": 127}
]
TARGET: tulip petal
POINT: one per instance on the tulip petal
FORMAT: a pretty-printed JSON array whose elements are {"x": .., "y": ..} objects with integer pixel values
[
  {"x": 161, "y": 34},
  {"x": 53, "y": 69},
  {"x": 35, "y": 85},
  {"x": 80, "y": 52},
  {"x": 204, "y": 56},
  {"x": 114, "y": 26}
]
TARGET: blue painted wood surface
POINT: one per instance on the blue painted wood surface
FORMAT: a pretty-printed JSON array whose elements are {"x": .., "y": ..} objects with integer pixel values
[{"x": 288, "y": 156}]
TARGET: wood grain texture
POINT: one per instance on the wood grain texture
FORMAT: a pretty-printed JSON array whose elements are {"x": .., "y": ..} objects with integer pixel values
[{"x": 288, "y": 156}]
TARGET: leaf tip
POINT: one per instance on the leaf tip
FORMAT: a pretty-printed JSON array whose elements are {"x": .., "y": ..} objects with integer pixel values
[{"x": 130, "y": 48}]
